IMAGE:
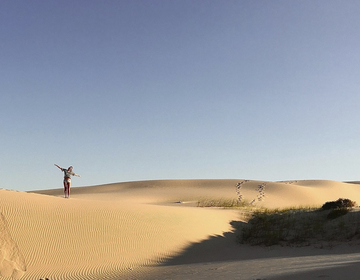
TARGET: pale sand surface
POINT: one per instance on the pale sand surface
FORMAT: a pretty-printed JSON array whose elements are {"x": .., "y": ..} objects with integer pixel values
[{"x": 139, "y": 230}]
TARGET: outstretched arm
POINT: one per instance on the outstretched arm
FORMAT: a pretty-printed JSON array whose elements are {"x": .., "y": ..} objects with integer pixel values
[
  {"x": 58, "y": 166},
  {"x": 77, "y": 175}
]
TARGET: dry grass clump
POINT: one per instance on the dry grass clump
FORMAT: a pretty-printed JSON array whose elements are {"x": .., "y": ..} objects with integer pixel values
[
  {"x": 300, "y": 226},
  {"x": 220, "y": 202}
]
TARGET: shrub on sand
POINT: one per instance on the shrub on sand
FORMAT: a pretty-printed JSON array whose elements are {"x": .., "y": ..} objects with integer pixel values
[
  {"x": 299, "y": 227},
  {"x": 338, "y": 208},
  {"x": 341, "y": 203}
]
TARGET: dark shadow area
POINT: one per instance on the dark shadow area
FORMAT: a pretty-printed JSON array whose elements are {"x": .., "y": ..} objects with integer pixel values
[
  {"x": 228, "y": 248},
  {"x": 224, "y": 257},
  {"x": 214, "y": 249}
]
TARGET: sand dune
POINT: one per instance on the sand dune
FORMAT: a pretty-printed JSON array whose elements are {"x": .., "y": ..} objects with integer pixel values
[{"x": 140, "y": 230}]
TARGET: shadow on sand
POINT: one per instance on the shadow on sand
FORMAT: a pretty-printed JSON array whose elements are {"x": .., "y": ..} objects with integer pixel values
[{"x": 223, "y": 257}]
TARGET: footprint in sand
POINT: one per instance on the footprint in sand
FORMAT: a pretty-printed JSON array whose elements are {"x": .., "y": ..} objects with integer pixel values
[{"x": 12, "y": 263}]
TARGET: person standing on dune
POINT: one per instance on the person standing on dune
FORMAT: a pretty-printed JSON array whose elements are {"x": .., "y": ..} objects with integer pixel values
[{"x": 67, "y": 179}]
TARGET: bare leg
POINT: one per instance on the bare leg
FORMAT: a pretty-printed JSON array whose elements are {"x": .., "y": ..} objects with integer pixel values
[{"x": 66, "y": 189}]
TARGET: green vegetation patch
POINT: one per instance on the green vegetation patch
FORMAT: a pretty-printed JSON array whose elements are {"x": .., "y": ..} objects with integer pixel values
[
  {"x": 300, "y": 226},
  {"x": 221, "y": 202}
]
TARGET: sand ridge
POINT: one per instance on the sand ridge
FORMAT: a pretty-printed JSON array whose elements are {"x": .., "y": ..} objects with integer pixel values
[{"x": 127, "y": 230}]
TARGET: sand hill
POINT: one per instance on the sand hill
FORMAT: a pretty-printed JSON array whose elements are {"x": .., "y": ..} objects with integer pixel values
[{"x": 153, "y": 230}]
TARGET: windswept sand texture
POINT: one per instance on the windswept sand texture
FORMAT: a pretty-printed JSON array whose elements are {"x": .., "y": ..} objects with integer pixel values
[
  {"x": 12, "y": 262},
  {"x": 140, "y": 230}
]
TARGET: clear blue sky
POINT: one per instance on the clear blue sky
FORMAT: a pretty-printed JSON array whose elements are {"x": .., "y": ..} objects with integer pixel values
[{"x": 138, "y": 90}]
